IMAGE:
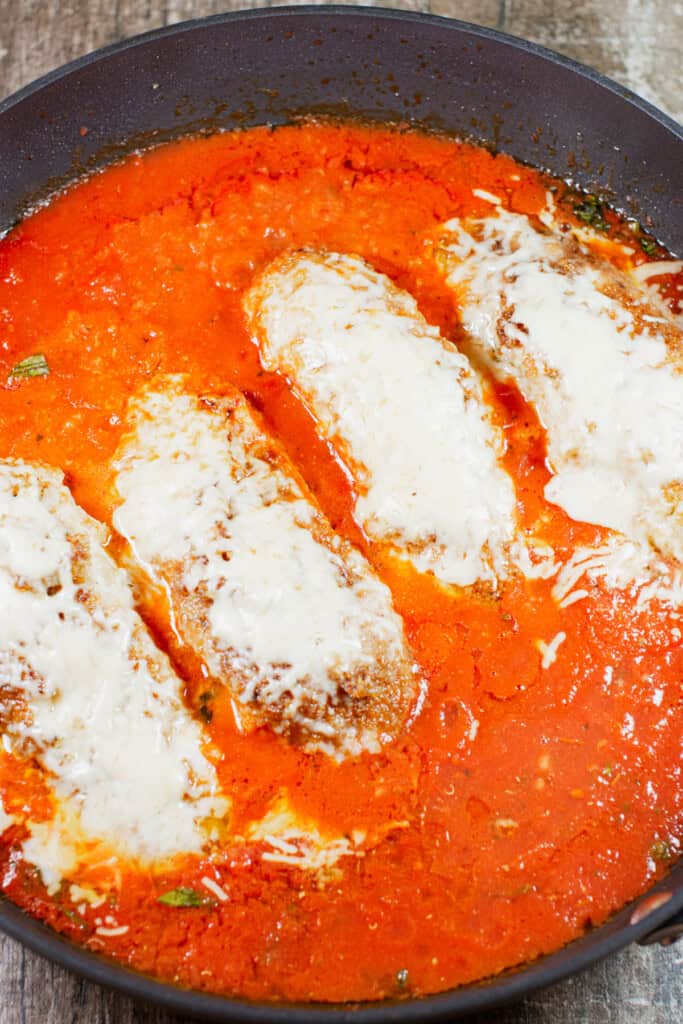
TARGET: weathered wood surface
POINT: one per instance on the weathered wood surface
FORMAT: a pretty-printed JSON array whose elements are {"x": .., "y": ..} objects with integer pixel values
[{"x": 637, "y": 42}]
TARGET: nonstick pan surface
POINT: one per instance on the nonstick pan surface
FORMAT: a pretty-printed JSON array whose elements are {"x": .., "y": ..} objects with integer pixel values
[{"x": 271, "y": 67}]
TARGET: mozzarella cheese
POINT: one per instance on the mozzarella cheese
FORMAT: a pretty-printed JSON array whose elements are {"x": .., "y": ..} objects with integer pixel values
[
  {"x": 401, "y": 407},
  {"x": 293, "y": 839},
  {"x": 619, "y": 564},
  {"x": 84, "y": 691},
  {"x": 5, "y": 819},
  {"x": 548, "y": 651},
  {"x": 282, "y": 610},
  {"x": 601, "y": 361},
  {"x": 297, "y": 841}
]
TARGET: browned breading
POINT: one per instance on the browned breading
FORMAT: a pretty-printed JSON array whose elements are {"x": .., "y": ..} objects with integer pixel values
[{"x": 342, "y": 708}]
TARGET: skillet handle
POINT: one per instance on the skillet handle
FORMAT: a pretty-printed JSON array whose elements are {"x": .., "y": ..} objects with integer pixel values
[{"x": 669, "y": 932}]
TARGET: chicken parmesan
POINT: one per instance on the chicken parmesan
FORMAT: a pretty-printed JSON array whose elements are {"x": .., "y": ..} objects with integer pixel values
[
  {"x": 602, "y": 362},
  {"x": 279, "y": 608},
  {"x": 340, "y": 562},
  {"x": 400, "y": 405},
  {"x": 87, "y": 698}
]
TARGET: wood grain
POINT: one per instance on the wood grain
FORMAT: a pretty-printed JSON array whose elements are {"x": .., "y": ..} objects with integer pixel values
[{"x": 638, "y": 43}]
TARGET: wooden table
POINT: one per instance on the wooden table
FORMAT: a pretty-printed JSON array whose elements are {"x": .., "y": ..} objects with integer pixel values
[{"x": 639, "y": 44}]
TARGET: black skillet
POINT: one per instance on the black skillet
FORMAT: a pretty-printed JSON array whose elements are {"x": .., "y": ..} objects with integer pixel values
[{"x": 268, "y": 67}]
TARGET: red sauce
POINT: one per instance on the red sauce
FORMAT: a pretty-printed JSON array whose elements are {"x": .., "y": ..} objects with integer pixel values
[{"x": 536, "y": 801}]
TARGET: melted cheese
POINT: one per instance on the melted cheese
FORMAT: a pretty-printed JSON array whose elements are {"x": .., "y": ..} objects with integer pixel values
[
  {"x": 215, "y": 889},
  {"x": 645, "y": 271},
  {"x": 85, "y": 691},
  {"x": 601, "y": 363},
  {"x": 298, "y": 842},
  {"x": 5, "y": 819},
  {"x": 56, "y": 847},
  {"x": 296, "y": 621},
  {"x": 401, "y": 406},
  {"x": 619, "y": 565},
  {"x": 549, "y": 651}
]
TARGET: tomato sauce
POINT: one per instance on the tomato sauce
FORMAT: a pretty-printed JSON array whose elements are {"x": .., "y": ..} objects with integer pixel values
[{"x": 524, "y": 804}]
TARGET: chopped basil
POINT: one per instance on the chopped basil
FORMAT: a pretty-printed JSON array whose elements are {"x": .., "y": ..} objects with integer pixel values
[
  {"x": 590, "y": 212},
  {"x": 649, "y": 246},
  {"x": 32, "y": 366},
  {"x": 182, "y": 897},
  {"x": 76, "y": 918},
  {"x": 660, "y": 850}
]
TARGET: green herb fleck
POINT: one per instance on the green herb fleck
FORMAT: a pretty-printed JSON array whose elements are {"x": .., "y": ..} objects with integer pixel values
[
  {"x": 590, "y": 212},
  {"x": 204, "y": 705},
  {"x": 649, "y": 246},
  {"x": 182, "y": 897},
  {"x": 402, "y": 977},
  {"x": 608, "y": 771},
  {"x": 32, "y": 366},
  {"x": 660, "y": 850},
  {"x": 76, "y": 918}
]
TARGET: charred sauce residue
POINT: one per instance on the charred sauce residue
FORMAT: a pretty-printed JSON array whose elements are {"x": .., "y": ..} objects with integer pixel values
[{"x": 532, "y": 802}]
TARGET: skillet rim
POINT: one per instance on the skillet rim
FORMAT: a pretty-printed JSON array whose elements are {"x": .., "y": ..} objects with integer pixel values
[
  {"x": 510, "y": 986},
  {"x": 363, "y": 11},
  {"x": 491, "y": 993}
]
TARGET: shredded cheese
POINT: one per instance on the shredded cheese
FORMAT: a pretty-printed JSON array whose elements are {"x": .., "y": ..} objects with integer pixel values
[
  {"x": 282, "y": 610},
  {"x": 112, "y": 932},
  {"x": 84, "y": 691},
  {"x": 488, "y": 197},
  {"x": 573, "y": 597},
  {"x": 5, "y": 819},
  {"x": 549, "y": 650},
  {"x": 87, "y": 896},
  {"x": 298, "y": 842},
  {"x": 657, "y": 268},
  {"x": 535, "y": 560},
  {"x": 214, "y": 888},
  {"x": 601, "y": 362},
  {"x": 620, "y": 565},
  {"x": 402, "y": 408}
]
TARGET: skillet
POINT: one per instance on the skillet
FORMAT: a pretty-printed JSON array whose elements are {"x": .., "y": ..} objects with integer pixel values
[{"x": 270, "y": 67}]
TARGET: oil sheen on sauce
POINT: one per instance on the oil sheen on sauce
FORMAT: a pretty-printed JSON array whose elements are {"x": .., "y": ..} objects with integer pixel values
[{"x": 539, "y": 788}]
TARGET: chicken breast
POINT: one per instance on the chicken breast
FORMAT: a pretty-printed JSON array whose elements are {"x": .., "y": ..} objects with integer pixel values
[
  {"x": 402, "y": 408},
  {"x": 284, "y": 612},
  {"x": 601, "y": 361},
  {"x": 85, "y": 693}
]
